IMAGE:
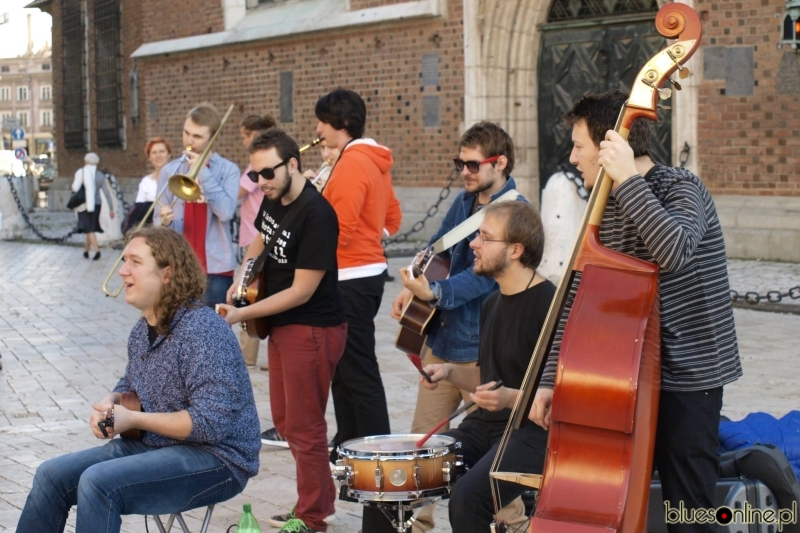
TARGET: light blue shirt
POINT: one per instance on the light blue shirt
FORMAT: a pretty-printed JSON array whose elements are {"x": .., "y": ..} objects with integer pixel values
[{"x": 219, "y": 181}]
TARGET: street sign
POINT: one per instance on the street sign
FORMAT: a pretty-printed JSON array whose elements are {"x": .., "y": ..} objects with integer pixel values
[
  {"x": 17, "y": 134},
  {"x": 19, "y": 144},
  {"x": 20, "y": 153},
  {"x": 9, "y": 123}
]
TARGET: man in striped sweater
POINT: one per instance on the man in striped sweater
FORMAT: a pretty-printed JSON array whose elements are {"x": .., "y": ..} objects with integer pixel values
[{"x": 665, "y": 215}]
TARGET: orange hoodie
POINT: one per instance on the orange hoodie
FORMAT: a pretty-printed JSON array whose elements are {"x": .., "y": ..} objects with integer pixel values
[{"x": 360, "y": 191}]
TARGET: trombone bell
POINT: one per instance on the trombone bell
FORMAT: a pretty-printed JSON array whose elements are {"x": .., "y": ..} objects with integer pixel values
[{"x": 184, "y": 187}]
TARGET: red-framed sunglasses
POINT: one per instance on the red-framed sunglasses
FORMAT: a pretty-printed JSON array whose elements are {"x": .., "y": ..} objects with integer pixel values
[{"x": 473, "y": 166}]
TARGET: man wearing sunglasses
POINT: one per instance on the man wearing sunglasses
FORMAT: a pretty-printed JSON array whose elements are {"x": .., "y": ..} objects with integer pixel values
[
  {"x": 204, "y": 222},
  {"x": 306, "y": 314},
  {"x": 485, "y": 160}
]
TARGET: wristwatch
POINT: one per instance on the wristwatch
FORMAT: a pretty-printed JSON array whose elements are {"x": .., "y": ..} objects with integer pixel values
[{"x": 437, "y": 293}]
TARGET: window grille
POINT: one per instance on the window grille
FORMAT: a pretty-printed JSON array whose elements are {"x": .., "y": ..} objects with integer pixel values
[
  {"x": 108, "y": 73},
  {"x": 569, "y": 10},
  {"x": 73, "y": 65}
]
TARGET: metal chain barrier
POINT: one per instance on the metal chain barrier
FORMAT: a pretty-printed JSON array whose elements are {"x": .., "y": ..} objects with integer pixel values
[
  {"x": 577, "y": 180},
  {"x": 28, "y": 220},
  {"x": 432, "y": 210},
  {"x": 112, "y": 179},
  {"x": 771, "y": 296}
]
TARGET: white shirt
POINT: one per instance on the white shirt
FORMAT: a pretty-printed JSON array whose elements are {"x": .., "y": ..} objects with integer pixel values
[{"x": 148, "y": 189}]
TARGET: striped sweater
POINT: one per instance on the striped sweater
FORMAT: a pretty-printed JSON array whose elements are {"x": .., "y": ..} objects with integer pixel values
[{"x": 668, "y": 217}]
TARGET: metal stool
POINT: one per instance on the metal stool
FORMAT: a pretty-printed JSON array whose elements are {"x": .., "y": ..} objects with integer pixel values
[{"x": 177, "y": 516}]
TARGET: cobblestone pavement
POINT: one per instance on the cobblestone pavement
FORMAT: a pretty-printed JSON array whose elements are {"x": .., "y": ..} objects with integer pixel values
[{"x": 64, "y": 345}]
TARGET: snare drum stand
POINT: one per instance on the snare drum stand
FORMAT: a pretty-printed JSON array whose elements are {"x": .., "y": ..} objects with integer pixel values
[{"x": 400, "y": 523}]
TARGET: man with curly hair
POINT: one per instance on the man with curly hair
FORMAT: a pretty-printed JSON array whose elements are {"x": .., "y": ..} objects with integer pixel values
[{"x": 200, "y": 439}]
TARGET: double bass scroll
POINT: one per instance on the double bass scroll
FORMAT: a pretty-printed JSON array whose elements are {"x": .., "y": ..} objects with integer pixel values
[{"x": 605, "y": 401}]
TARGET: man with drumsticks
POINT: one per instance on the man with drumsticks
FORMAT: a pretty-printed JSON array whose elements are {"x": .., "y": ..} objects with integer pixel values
[
  {"x": 305, "y": 312},
  {"x": 204, "y": 222},
  {"x": 508, "y": 249},
  {"x": 200, "y": 439},
  {"x": 667, "y": 216}
]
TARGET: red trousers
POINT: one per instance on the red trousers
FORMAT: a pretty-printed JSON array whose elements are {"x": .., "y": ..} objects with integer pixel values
[{"x": 302, "y": 360}]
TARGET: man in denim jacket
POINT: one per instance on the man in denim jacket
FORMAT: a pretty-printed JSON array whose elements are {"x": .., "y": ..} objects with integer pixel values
[{"x": 485, "y": 160}]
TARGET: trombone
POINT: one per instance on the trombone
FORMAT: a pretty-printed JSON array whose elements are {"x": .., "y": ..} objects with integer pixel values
[{"x": 184, "y": 187}]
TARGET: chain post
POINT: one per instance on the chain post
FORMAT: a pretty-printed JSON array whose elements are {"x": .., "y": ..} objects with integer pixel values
[
  {"x": 28, "y": 220},
  {"x": 112, "y": 179},
  {"x": 753, "y": 297}
]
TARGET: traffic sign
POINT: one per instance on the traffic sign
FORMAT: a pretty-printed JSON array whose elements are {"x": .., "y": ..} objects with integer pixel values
[
  {"x": 19, "y": 144},
  {"x": 20, "y": 153},
  {"x": 17, "y": 134},
  {"x": 9, "y": 123}
]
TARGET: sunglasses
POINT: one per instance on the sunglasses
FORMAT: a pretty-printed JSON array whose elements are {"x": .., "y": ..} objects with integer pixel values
[
  {"x": 473, "y": 166},
  {"x": 266, "y": 173}
]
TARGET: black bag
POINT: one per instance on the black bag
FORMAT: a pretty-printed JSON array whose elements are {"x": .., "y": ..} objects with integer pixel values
[
  {"x": 77, "y": 199},
  {"x": 769, "y": 464}
]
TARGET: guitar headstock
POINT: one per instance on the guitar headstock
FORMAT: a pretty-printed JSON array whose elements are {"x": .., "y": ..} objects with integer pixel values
[
  {"x": 421, "y": 260},
  {"x": 673, "y": 21}
]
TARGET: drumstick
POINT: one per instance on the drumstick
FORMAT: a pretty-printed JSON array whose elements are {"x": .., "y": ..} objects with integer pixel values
[{"x": 468, "y": 405}]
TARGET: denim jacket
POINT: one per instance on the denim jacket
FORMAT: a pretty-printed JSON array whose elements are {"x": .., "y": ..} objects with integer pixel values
[{"x": 454, "y": 334}]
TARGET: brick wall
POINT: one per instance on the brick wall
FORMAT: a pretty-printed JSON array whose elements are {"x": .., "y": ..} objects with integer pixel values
[
  {"x": 748, "y": 143},
  {"x": 180, "y": 18},
  {"x": 121, "y": 162},
  {"x": 382, "y": 63}
]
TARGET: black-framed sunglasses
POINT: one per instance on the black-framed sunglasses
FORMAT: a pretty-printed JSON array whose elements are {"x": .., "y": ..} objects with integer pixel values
[
  {"x": 473, "y": 166},
  {"x": 266, "y": 173}
]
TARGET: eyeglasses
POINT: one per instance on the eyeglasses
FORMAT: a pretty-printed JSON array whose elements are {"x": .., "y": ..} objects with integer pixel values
[
  {"x": 266, "y": 173},
  {"x": 473, "y": 166},
  {"x": 484, "y": 240}
]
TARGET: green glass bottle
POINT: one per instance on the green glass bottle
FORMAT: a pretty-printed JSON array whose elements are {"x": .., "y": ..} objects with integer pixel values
[{"x": 247, "y": 522}]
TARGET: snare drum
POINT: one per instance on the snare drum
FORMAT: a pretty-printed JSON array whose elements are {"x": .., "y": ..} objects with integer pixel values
[{"x": 390, "y": 468}]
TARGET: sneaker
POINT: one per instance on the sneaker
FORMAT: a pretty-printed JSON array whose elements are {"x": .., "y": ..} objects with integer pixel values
[
  {"x": 271, "y": 437},
  {"x": 295, "y": 525},
  {"x": 281, "y": 520}
]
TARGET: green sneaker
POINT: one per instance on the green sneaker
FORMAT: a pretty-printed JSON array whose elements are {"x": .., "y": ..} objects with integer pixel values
[
  {"x": 280, "y": 520},
  {"x": 295, "y": 525}
]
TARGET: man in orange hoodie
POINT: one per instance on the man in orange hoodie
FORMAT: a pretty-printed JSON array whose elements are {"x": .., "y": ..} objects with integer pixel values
[{"x": 360, "y": 191}]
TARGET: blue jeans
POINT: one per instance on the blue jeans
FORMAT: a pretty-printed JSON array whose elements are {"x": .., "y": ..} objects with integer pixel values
[
  {"x": 123, "y": 477},
  {"x": 217, "y": 289}
]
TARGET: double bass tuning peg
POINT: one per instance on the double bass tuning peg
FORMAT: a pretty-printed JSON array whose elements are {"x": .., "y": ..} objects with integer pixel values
[
  {"x": 665, "y": 94},
  {"x": 675, "y": 84}
]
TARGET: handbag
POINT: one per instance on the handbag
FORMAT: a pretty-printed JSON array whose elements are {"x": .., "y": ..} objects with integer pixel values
[{"x": 78, "y": 198}]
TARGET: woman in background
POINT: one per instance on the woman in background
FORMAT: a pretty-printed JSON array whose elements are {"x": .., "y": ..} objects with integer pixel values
[
  {"x": 89, "y": 213},
  {"x": 159, "y": 153}
]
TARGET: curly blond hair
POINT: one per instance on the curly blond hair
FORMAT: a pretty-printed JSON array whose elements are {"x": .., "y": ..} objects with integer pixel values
[{"x": 188, "y": 281}]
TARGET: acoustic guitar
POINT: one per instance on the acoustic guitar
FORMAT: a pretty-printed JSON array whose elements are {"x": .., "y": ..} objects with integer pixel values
[
  {"x": 418, "y": 314},
  {"x": 249, "y": 290},
  {"x": 130, "y": 401}
]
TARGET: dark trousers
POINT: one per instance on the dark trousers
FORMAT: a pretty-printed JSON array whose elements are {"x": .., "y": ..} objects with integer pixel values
[
  {"x": 217, "y": 289},
  {"x": 359, "y": 399},
  {"x": 687, "y": 440},
  {"x": 471, "y": 508}
]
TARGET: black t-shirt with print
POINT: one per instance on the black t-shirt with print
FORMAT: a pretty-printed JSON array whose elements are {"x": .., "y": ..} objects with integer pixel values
[
  {"x": 309, "y": 243},
  {"x": 509, "y": 330}
]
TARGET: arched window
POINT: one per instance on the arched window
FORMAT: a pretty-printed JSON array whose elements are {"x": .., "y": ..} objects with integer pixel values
[{"x": 565, "y": 10}]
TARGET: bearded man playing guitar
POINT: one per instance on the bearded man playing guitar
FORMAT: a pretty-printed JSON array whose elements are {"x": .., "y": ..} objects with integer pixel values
[
  {"x": 200, "y": 442},
  {"x": 667, "y": 216},
  {"x": 307, "y": 328}
]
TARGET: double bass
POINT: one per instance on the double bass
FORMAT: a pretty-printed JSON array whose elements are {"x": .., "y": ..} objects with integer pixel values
[{"x": 599, "y": 457}]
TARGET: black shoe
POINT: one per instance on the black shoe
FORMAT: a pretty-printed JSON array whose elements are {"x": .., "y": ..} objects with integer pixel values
[
  {"x": 96, "y": 256},
  {"x": 273, "y": 438},
  {"x": 86, "y": 255}
]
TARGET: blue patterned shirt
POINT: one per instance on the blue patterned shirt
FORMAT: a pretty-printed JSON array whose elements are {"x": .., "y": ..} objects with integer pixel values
[{"x": 197, "y": 367}]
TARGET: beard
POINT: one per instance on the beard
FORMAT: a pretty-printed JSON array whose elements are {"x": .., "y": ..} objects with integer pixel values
[
  {"x": 282, "y": 191},
  {"x": 482, "y": 187},
  {"x": 493, "y": 268}
]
